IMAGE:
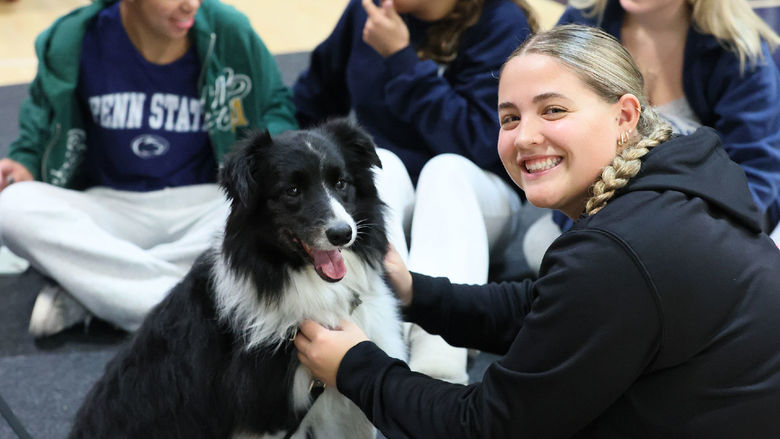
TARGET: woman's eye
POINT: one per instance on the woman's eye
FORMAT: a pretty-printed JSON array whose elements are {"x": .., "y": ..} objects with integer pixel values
[
  {"x": 293, "y": 191},
  {"x": 554, "y": 111},
  {"x": 508, "y": 119}
]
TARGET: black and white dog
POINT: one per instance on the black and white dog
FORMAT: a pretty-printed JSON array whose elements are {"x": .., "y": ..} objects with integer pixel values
[{"x": 304, "y": 240}]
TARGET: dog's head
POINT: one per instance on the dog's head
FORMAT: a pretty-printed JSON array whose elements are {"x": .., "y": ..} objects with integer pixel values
[{"x": 300, "y": 197}]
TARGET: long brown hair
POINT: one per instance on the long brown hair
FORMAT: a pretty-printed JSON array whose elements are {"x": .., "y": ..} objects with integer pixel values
[{"x": 443, "y": 39}]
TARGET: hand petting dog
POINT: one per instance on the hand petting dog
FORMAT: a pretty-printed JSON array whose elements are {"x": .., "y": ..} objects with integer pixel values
[
  {"x": 322, "y": 349},
  {"x": 385, "y": 30}
]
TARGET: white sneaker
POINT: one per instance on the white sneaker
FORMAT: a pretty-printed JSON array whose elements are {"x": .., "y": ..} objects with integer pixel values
[
  {"x": 10, "y": 263},
  {"x": 55, "y": 310}
]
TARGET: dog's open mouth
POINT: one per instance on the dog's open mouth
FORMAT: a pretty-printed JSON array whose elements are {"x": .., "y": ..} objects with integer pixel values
[{"x": 327, "y": 263}]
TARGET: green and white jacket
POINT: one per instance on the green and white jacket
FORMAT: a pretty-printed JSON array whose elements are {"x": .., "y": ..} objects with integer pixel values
[{"x": 240, "y": 87}]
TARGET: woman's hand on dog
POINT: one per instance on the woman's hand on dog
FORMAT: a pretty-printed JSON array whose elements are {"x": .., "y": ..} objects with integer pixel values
[
  {"x": 385, "y": 30},
  {"x": 322, "y": 349},
  {"x": 399, "y": 277}
]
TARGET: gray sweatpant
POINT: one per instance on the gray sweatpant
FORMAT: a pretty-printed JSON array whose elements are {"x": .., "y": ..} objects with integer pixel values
[{"x": 117, "y": 252}]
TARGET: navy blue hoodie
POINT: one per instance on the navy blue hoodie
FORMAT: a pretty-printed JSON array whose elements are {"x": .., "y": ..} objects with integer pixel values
[
  {"x": 657, "y": 317},
  {"x": 744, "y": 107},
  {"x": 415, "y": 108}
]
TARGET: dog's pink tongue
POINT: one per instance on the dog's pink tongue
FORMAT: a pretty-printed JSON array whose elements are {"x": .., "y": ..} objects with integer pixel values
[{"x": 329, "y": 264}]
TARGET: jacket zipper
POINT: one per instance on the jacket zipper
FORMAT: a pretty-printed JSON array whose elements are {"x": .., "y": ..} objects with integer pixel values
[
  {"x": 47, "y": 151},
  {"x": 204, "y": 67},
  {"x": 212, "y": 41}
]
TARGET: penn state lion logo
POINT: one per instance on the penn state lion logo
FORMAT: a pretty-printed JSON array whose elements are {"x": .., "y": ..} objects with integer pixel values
[{"x": 149, "y": 146}]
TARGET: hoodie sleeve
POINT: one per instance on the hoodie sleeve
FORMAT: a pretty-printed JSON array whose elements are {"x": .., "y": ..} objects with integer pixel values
[
  {"x": 592, "y": 328},
  {"x": 321, "y": 90},
  {"x": 34, "y": 128},
  {"x": 454, "y": 108},
  {"x": 272, "y": 96},
  {"x": 35, "y": 115},
  {"x": 275, "y": 100},
  {"x": 484, "y": 317},
  {"x": 746, "y": 114}
]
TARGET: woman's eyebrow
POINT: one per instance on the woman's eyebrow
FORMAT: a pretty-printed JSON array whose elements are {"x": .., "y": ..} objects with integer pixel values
[
  {"x": 545, "y": 96},
  {"x": 538, "y": 98}
]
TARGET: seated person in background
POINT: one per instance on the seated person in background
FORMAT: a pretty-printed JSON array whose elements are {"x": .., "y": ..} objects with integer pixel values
[
  {"x": 133, "y": 106},
  {"x": 420, "y": 75},
  {"x": 647, "y": 319},
  {"x": 705, "y": 63}
]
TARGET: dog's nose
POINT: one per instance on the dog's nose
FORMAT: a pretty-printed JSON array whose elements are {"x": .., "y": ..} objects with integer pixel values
[{"x": 339, "y": 234}]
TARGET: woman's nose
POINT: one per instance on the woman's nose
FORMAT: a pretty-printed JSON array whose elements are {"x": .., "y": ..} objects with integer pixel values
[
  {"x": 528, "y": 134},
  {"x": 190, "y": 5}
]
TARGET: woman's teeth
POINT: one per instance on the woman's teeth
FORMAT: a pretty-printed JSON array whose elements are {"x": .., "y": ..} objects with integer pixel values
[{"x": 542, "y": 164}]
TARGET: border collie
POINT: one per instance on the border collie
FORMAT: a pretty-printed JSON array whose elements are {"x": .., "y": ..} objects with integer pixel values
[{"x": 305, "y": 239}]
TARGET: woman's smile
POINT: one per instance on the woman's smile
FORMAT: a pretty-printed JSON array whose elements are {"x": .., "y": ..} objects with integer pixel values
[{"x": 538, "y": 165}]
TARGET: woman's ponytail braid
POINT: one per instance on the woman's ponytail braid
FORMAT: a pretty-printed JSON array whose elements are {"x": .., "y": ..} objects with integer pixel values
[{"x": 626, "y": 164}]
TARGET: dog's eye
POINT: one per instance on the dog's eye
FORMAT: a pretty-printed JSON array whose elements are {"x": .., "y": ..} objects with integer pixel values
[
  {"x": 341, "y": 184},
  {"x": 293, "y": 191}
]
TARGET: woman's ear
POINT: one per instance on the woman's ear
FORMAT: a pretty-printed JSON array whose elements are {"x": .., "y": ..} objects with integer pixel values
[{"x": 629, "y": 111}]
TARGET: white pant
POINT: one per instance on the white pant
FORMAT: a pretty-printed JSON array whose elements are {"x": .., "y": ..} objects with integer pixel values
[
  {"x": 116, "y": 252},
  {"x": 537, "y": 240},
  {"x": 458, "y": 216}
]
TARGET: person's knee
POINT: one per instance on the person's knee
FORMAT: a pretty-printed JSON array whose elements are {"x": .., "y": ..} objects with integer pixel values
[
  {"x": 12, "y": 205},
  {"x": 393, "y": 172},
  {"x": 447, "y": 172},
  {"x": 390, "y": 161},
  {"x": 17, "y": 203},
  {"x": 393, "y": 182}
]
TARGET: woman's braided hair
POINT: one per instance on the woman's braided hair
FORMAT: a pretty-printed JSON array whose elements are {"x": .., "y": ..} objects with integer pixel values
[
  {"x": 626, "y": 164},
  {"x": 606, "y": 67},
  {"x": 443, "y": 38}
]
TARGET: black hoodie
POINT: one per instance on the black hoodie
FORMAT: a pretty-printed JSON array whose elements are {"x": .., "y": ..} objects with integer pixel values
[{"x": 657, "y": 317}]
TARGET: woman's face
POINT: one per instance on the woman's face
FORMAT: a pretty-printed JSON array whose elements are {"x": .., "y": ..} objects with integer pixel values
[
  {"x": 427, "y": 10},
  {"x": 556, "y": 134},
  {"x": 640, "y": 7},
  {"x": 167, "y": 19}
]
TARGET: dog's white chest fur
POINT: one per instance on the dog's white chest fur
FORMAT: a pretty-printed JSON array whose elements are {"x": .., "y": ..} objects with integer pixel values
[{"x": 362, "y": 297}]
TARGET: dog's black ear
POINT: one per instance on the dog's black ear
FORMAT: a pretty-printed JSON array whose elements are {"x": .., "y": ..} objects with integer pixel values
[
  {"x": 354, "y": 138},
  {"x": 235, "y": 176}
]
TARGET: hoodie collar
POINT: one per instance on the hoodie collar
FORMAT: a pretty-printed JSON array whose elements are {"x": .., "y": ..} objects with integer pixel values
[{"x": 698, "y": 165}]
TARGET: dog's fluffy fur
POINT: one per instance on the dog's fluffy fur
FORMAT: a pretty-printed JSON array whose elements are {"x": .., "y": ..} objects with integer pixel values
[{"x": 304, "y": 240}]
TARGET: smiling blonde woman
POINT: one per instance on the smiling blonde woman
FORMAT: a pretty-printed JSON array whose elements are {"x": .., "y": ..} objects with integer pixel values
[{"x": 647, "y": 319}]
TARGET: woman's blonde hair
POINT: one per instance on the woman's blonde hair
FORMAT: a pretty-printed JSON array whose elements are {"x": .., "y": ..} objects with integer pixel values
[
  {"x": 605, "y": 67},
  {"x": 441, "y": 43},
  {"x": 732, "y": 22}
]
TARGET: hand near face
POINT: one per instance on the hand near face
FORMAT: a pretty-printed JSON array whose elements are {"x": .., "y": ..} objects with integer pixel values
[
  {"x": 322, "y": 349},
  {"x": 12, "y": 171},
  {"x": 384, "y": 30}
]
